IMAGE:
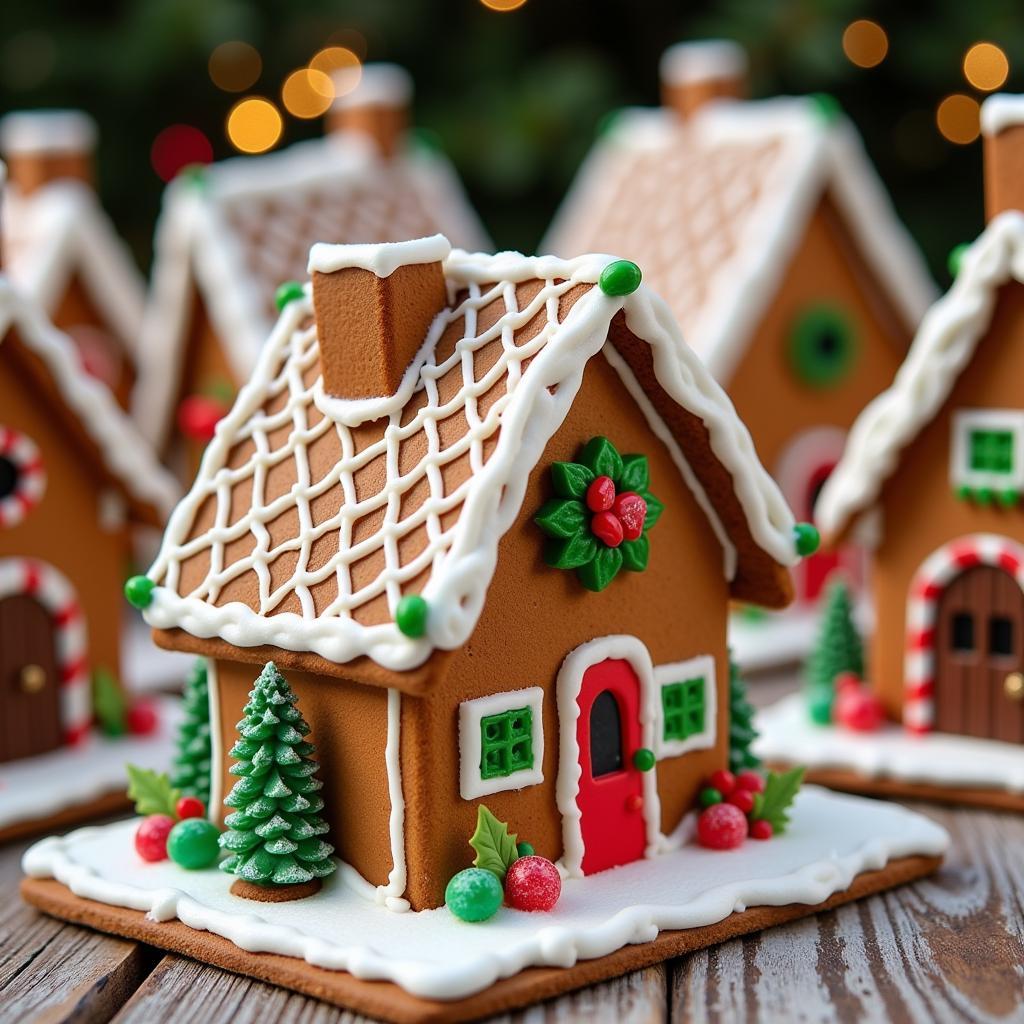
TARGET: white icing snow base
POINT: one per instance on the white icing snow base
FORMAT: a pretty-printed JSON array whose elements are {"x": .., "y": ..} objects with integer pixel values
[
  {"x": 937, "y": 759},
  {"x": 431, "y": 954},
  {"x": 147, "y": 668},
  {"x": 35, "y": 788}
]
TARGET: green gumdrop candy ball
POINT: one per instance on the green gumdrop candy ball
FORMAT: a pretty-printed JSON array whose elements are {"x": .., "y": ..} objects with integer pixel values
[
  {"x": 709, "y": 796},
  {"x": 819, "y": 705},
  {"x": 193, "y": 843},
  {"x": 525, "y": 849},
  {"x": 474, "y": 894}
]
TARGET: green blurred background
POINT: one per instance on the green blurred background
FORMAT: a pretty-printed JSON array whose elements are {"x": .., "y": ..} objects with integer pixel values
[{"x": 516, "y": 96}]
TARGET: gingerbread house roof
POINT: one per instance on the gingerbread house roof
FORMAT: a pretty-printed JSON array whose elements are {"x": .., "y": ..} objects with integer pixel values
[
  {"x": 714, "y": 206},
  {"x": 311, "y": 517},
  {"x": 941, "y": 351},
  {"x": 244, "y": 226},
  {"x": 118, "y": 449}
]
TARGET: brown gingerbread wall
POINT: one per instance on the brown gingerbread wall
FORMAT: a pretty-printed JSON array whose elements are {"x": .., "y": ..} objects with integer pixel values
[{"x": 919, "y": 510}]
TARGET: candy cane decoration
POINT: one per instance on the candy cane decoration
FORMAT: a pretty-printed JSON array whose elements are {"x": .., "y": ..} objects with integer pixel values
[
  {"x": 30, "y": 477},
  {"x": 31, "y": 578}
]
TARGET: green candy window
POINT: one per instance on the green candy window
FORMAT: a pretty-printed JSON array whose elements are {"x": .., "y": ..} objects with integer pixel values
[
  {"x": 685, "y": 704},
  {"x": 987, "y": 457},
  {"x": 683, "y": 707},
  {"x": 506, "y": 743},
  {"x": 992, "y": 451},
  {"x": 823, "y": 345}
]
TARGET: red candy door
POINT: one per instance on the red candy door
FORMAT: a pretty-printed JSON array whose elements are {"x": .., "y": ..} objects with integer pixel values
[{"x": 610, "y": 795}]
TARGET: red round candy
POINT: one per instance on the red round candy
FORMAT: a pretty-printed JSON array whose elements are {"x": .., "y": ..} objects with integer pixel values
[
  {"x": 151, "y": 837},
  {"x": 750, "y": 781},
  {"x": 198, "y": 416},
  {"x": 722, "y": 827},
  {"x": 601, "y": 494},
  {"x": 606, "y": 527},
  {"x": 632, "y": 511},
  {"x": 723, "y": 780},
  {"x": 532, "y": 883},
  {"x": 761, "y": 829},
  {"x": 741, "y": 798},
  {"x": 190, "y": 807},
  {"x": 141, "y": 718}
]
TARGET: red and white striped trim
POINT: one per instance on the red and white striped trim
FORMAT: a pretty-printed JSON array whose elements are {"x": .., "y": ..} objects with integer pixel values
[
  {"x": 32, "y": 578},
  {"x": 31, "y": 482},
  {"x": 934, "y": 575}
]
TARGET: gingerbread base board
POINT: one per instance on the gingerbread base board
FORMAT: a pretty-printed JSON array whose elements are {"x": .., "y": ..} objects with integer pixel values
[
  {"x": 891, "y": 763},
  {"x": 387, "y": 1001},
  {"x": 104, "y": 806}
]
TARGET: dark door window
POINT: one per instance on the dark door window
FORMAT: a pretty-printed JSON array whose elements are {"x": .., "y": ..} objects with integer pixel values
[{"x": 605, "y": 735}]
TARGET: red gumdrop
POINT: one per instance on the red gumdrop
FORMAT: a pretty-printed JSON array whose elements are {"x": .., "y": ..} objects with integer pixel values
[
  {"x": 151, "y": 837},
  {"x": 190, "y": 807},
  {"x": 723, "y": 780},
  {"x": 532, "y": 883},
  {"x": 846, "y": 681},
  {"x": 141, "y": 718},
  {"x": 607, "y": 528},
  {"x": 741, "y": 798},
  {"x": 761, "y": 829},
  {"x": 750, "y": 781},
  {"x": 198, "y": 416},
  {"x": 632, "y": 511},
  {"x": 858, "y": 709},
  {"x": 722, "y": 827},
  {"x": 601, "y": 494}
]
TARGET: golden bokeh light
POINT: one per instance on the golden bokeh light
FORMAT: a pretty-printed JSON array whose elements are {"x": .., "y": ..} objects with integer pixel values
[
  {"x": 307, "y": 93},
  {"x": 254, "y": 125},
  {"x": 865, "y": 43},
  {"x": 235, "y": 66},
  {"x": 341, "y": 65},
  {"x": 986, "y": 66},
  {"x": 503, "y": 5},
  {"x": 959, "y": 118}
]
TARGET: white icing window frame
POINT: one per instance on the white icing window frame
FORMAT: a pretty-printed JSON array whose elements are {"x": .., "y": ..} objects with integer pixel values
[
  {"x": 702, "y": 665},
  {"x": 967, "y": 420},
  {"x": 471, "y": 713}
]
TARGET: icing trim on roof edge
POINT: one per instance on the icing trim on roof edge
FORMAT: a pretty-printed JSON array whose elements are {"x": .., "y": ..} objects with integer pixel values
[
  {"x": 1001, "y": 111},
  {"x": 380, "y": 258},
  {"x": 380, "y": 84},
  {"x": 703, "y": 60},
  {"x": 47, "y": 131}
]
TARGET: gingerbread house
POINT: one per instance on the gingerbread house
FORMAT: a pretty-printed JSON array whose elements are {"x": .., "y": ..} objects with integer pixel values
[
  {"x": 398, "y": 511},
  {"x": 768, "y": 232},
  {"x": 60, "y": 247},
  {"x": 935, "y": 468},
  {"x": 74, "y": 478},
  {"x": 230, "y": 234}
]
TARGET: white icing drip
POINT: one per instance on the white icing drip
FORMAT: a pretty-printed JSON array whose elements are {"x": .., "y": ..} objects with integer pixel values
[
  {"x": 391, "y": 895},
  {"x": 216, "y": 748},
  {"x": 380, "y": 85},
  {"x": 942, "y": 349},
  {"x": 1001, "y": 111},
  {"x": 703, "y": 61},
  {"x": 47, "y": 131},
  {"x": 381, "y": 259}
]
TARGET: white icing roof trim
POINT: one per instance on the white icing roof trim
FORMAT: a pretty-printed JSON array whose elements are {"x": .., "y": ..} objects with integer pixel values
[
  {"x": 942, "y": 349},
  {"x": 125, "y": 455},
  {"x": 458, "y": 586},
  {"x": 381, "y": 259},
  {"x": 380, "y": 84},
  {"x": 47, "y": 131},
  {"x": 703, "y": 61},
  {"x": 1001, "y": 111}
]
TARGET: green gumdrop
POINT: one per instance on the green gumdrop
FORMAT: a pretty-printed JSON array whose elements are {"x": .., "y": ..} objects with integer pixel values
[
  {"x": 956, "y": 258},
  {"x": 288, "y": 292},
  {"x": 474, "y": 894},
  {"x": 643, "y": 759},
  {"x": 806, "y": 538},
  {"x": 525, "y": 849},
  {"x": 139, "y": 591},
  {"x": 827, "y": 107},
  {"x": 709, "y": 796},
  {"x": 819, "y": 705},
  {"x": 620, "y": 277},
  {"x": 193, "y": 843},
  {"x": 411, "y": 615}
]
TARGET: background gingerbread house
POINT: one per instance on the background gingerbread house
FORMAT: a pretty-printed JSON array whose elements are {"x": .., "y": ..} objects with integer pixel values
[
  {"x": 232, "y": 233},
  {"x": 768, "y": 232},
  {"x": 61, "y": 248}
]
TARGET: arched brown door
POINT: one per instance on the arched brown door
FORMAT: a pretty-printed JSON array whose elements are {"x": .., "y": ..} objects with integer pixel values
[
  {"x": 979, "y": 655},
  {"x": 29, "y": 680}
]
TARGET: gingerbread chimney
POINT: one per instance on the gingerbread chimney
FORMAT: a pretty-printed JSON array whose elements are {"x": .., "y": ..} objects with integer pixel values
[
  {"x": 694, "y": 73},
  {"x": 41, "y": 146},
  {"x": 1002, "y": 128},
  {"x": 377, "y": 107},
  {"x": 374, "y": 305}
]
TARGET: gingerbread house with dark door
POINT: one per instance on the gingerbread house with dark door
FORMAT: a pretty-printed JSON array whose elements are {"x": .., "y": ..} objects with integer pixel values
[
  {"x": 232, "y": 233},
  {"x": 768, "y": 232},
  {"x": 935, "y": 467},
  {"x": 60, "y": 247},
  {"x": 487, "y": 514}
]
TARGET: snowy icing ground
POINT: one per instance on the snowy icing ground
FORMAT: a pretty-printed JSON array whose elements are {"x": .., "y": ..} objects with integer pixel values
[
  {"x": 146, "y": 667},
  {"x": 33, "y": 788},
  {"x": 938, "y": 759},
  {"x": 431, "y": 954}
]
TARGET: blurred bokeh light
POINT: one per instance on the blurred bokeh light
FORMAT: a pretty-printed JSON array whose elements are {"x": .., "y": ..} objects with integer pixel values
[
  {"x": 235, "y": 66},
  {"x": 958, "y": 118},
  {"x": 986, "y": 66},
  {"x": 865, "y": 43},
  {"x": 178, "y": 146},
  {"x": 254, "y": 125}
]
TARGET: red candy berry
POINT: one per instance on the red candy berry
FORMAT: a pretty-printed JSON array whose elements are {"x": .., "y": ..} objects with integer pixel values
[
  {"x": 722, "y": 827},
  {"x": 761, "y": 829},
  {"x": 856, "y": 707},
  {"x": 607, "y": 527},
  {"x": 198, "y": 416},
  {"x": 741, "y": 798},
  {"x": 532, "y": 883},
  {"x": 631, "y": 510},
  {"x": 750, "y": 781},
  {"x": 723, "y": 780},
  {"x": 190, "y": 807},
  {"x": 151, "y": 837},
  {"x": 141, "y": 719},
  {"x": 601, "y": 494}
]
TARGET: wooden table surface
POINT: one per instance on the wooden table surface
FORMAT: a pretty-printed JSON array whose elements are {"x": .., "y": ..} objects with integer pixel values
[{"x": 949, "y": 948}]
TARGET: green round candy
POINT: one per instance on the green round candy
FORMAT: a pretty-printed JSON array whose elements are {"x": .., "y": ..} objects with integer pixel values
[
  {"x": 643, "y": 759},
  {"x": 827, "y": 107},
  {"x": 806, "y": 538},
  {"x": 708, "y": 796},
  {"x": 1009, "y": 498},
  {"x": 193, "y": 843},
  {"x": 288, "y": 292},
  {"x": 525, "y": 849},
  {"x": 411, "y": 616},
  {"x": 823, "y": 345},
  {"x": 819, "y": 705},
  {"x": 620, "y": 277},
  {"x": 984, "y": 495},
  {"x": 474, "y": 894},
  {"x": 139, "y": 591},
  {"x": 955, "y": 258}
]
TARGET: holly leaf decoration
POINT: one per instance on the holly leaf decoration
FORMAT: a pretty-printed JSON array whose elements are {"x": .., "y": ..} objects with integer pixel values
[
  {"x": 601, "y": 569},
  {"x": 495, "y": 847},
  {"x": 561, "y": 517},
  {"x": 571, "y": 553},
  {"x": 108, "y": 704},
  {"x": 780, "y": 791},
  {"x": 601, "y": 456},
  {"x": 636, "y": 475},
  {"x": 635, "y": 553},
  {"x": 152, "y": 792},
  {"x": 570, "y": 479},
  {"x": 654, "y": 509}
]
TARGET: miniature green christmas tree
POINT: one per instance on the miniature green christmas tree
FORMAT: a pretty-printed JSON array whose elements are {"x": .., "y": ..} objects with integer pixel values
[
  {"x": 838, "y": 649},
  {"x": 190, "y": 770},
  {"x": 274, "y": 832},
  {"x": 741, "y": 724}
]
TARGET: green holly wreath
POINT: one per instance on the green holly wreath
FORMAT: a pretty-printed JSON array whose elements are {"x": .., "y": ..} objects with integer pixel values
[{"x": 599, "y": 520}]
